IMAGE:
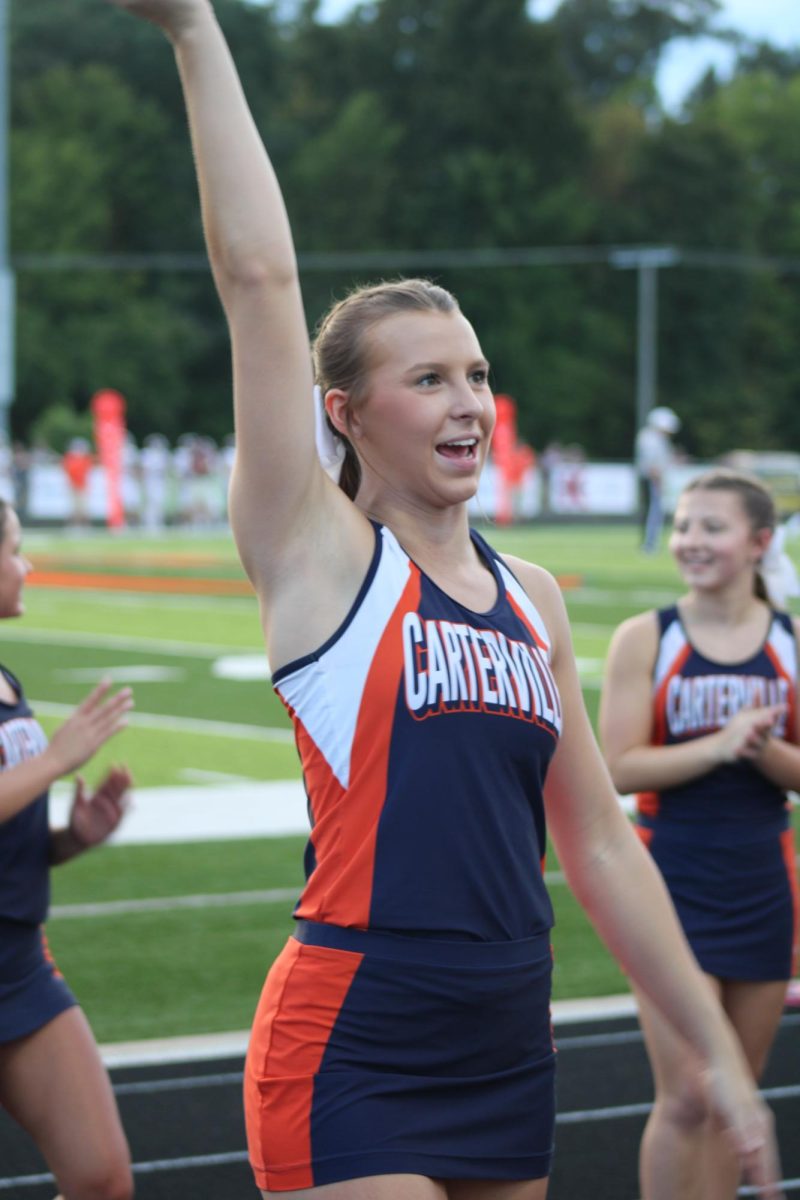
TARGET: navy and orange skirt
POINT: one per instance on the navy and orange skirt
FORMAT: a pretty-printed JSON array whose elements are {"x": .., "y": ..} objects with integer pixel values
[
  {"x": 32, "y": 990},
  {"x": 375, "y": 1053},
  {"x": 736, "y": 899}
]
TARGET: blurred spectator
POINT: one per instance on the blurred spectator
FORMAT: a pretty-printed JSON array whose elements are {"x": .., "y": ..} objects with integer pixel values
[
  {"x": 131, "y": 481},
  {"x": 182, "y": 471},
  {"x": 652, "y": 455},
  {"x": 77, "y": 463},
  {"x": 21, "y": 460},
  {"x": 6, "y": 477},
  {"x": 203, "y": 484},
  {"x": 227, "y": 458},
  {"x": 550, "y": 458},
  {"x": 156, "y": 464}
]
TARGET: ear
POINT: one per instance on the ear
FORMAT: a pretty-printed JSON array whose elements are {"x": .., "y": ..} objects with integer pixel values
[
  {"x": 340, "y": 414},
  {"x": 762, "y": 539}
]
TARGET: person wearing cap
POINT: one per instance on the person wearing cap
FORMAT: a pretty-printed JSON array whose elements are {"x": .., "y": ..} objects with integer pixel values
[
  {"x": 653, "y": 454},
  {"x": 77, "y": 463}
]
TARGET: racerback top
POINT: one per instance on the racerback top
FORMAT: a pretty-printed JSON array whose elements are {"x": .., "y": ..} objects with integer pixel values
[
  {"x": 694, "y": 696},
  {"x": 25, "y": 837},
  {"x": 425, "y": 731}
]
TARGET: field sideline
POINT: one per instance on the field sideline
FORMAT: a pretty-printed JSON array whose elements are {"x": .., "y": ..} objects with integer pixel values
[{"x": 205, "y": 711}]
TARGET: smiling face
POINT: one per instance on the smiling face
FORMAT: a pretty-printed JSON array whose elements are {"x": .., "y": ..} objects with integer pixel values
[
  {"x": 427, "y": 419},
  {"x": 14, "y": 567},
  {"x": 713, "y": 540}
]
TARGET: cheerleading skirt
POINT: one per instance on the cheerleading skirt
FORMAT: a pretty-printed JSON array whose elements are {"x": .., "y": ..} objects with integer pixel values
[
  {"x": 376, "y": 1053},
  {"x": 738, "y": 903},
  {"x": 32, "y": 990}
]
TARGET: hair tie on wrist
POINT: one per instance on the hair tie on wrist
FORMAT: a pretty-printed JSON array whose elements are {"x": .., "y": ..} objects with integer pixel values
[{"x": 330, "y": 448}]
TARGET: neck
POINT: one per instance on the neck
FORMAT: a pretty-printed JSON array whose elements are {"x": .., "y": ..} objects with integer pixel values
[
  {"x": 443, "y": 532},
  {"x": 729, "y": 607}
]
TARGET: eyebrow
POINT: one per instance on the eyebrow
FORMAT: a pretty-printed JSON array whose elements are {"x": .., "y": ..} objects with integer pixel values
[{"x": 440, "y": 366}]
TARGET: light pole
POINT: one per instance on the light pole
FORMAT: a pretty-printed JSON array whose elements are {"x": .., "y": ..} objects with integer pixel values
[
  {"x": 6, "y": 275},
  {"x": 647, "y": 261}
]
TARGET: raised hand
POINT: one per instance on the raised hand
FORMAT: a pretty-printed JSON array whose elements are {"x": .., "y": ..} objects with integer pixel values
[
  {"x": 95, "y": 817},
  {"x": 94, "y": 721},
  {"x": 173, "y": 16}
]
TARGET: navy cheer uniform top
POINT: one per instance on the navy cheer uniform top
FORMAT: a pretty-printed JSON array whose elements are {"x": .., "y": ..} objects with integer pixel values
[
  {"x": 32, "y": 991},
  {"x": 25, "y": 837},
  {"x": 425, "y": 731},
  {"x": 723, "y": 841}
]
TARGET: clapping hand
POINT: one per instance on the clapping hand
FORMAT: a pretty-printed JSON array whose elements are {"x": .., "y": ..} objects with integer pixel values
[
  {"x": 95, "y": 817},
  {"x": 747, "y": 733},
  {"x": 94, "y": 721}
]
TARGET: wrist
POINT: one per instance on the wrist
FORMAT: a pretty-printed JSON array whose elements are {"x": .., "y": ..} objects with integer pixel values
[
  {"x": 718, "y": 749},
  {"x": 76, "y": 839},
  {"x": 56, "y": 764},
  {"x": 65, "y": 844},
  {"x": 191, "y": 25}
]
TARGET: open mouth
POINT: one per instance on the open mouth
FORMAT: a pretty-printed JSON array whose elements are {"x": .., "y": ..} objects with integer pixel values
[{"x": 464, "y": 449}]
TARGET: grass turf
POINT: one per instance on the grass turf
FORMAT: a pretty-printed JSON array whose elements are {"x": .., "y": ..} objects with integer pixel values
[{"x": 200, "y": 970}]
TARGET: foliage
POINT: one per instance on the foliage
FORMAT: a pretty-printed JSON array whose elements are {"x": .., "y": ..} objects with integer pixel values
[
  {"x": 424, "y": 125},
  {"x": 56, "y": 427}
]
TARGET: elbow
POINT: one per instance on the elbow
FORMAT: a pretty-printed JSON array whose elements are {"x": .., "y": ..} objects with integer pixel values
[
  {"x": 619, "y": 775},
  {"x": 621, "y": 779},
  {"x": 244, "y": 267}
]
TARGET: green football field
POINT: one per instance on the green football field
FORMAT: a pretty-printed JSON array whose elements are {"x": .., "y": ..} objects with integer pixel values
[{"x": 193, "y": 960}]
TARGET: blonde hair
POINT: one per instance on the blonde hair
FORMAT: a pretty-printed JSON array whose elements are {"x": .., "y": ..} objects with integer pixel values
[
  {"x": 340, "y": 349},
  {"x": 756, "y": 500}
]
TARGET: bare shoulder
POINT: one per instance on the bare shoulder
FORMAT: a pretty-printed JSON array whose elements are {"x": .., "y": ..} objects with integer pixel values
[
  {"x": 641, "y": 628},
  {"x": 634, "y": 642},
  {"x": 796, "y": 627},
  {"x": 540, "y": 585}
]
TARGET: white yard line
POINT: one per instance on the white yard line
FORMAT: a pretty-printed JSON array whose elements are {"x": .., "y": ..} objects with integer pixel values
[
  {"x": 115, "y": 908},
  {"x": 644, "y": 597},
  {"x": 55, "y": 637},
  {"x": 231, "y": 729}
]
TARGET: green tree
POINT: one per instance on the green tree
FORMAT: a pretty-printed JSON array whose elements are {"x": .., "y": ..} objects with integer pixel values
[{"x": 614, "y": 45}]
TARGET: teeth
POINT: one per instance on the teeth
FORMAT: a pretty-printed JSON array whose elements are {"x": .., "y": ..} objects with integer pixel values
[{"x": 463, "y": 442}]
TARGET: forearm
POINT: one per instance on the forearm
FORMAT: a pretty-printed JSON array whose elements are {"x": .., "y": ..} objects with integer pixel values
[
  {"x": 651, "y": 768},
  {"x": 21, "y": 785},
  {"x": 779, "y": 761},
  {"x": 245, "y": 222}
]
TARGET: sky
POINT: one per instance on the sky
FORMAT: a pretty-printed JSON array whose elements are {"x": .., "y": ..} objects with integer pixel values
[{"x": 776, "y": 21}]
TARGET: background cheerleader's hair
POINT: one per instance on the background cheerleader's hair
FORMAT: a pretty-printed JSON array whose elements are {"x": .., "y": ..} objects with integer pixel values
[
  {"x": 330, "y": 448},
  {"x": 778, "y": 571}
]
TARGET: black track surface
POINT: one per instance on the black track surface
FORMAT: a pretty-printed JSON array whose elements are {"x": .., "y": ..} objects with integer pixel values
[{"x": 184, "y": 1121}]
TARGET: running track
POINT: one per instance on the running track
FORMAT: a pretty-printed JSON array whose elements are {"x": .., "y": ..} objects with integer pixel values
[{"x": 184, "y": 1123}]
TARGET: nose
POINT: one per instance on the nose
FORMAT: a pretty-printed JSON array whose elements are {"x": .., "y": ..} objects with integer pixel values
[{"x": 466, "y": 404}]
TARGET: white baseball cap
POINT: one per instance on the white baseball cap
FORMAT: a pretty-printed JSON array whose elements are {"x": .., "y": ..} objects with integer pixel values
[{"x": 664, "y": 419}]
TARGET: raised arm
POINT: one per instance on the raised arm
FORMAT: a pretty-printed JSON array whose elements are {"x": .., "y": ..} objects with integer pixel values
[
  {"x": 623, "y": 894},
  {"x": 278, "y": 487}
]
